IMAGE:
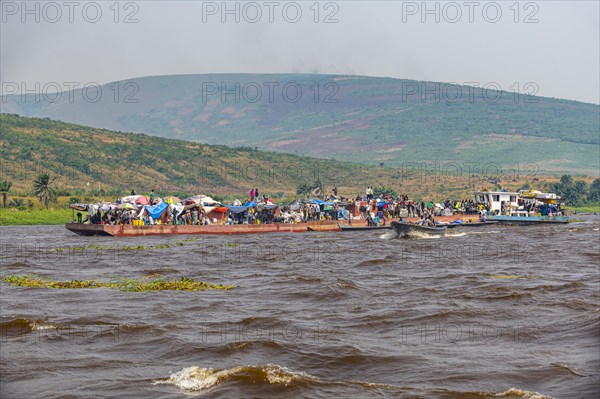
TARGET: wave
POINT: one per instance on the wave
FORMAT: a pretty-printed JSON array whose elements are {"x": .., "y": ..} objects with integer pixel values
[
  {"x": 15, "y": 265},
  {"x": 196, "y": 378},
  {"x": 475, "y": 233},
  {"x": 388, "y": 235},
  {"x": 571, "y": 369},
  {"x": 374, "y": 262},
  {"x": 421, "y": 236},
  {"x": 307, "y": 279},
  {"x": 517, "y": 393},
  {"x": 259, "y": 320},
  {"x": 19, "y": 326},
  {"x": 455, "y": 234},
  {"x": 570, "y": 286},
  {"x": 346, "y": 283},
  {"x": 159, "y": 272},
  {"x": 255, "y": 345},
  {"x": 510, "y": 393}
]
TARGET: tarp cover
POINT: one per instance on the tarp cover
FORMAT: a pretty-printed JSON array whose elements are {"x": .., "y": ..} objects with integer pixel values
[
  {"x": 268, "y": 206},
  {"x": 238, "y": 209},
  {"x": 156, "y": 210},
  {"x": 201, "y": 200},
  {"x": 142, "y": 200},
  {"x": 132, "y": 198},
  {"x": 319, "y": 202}
]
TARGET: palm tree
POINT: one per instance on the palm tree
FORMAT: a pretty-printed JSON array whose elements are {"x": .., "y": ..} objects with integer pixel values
[
  {"x": 303, "y": 189},
  {"x": 43, "y": 190},
  {"x": 317, "y": 189},
  {"x": 4, "y": 189}
]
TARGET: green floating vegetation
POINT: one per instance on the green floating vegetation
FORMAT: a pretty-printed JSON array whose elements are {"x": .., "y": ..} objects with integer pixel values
[
  {"x": 122, "y": 284},
  {"x": 178, "y": 243},
  {"x": 509, "y": 276}
]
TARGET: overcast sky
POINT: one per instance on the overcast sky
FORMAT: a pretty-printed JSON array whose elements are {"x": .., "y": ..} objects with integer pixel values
[{"x": 553, "y": 44}]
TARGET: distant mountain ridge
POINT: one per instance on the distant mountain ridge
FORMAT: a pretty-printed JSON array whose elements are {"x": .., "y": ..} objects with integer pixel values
[{"x": 353, "y": 118}]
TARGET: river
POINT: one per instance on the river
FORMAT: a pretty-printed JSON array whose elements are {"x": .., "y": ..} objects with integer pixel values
[{"x": 494, "y": 312}]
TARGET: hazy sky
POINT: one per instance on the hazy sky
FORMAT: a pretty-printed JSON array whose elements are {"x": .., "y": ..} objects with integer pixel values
[{"x": 554, "y": 44}]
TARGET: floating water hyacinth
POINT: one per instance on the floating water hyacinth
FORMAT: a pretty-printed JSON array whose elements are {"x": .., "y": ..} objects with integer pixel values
[
  {"x": 178, "y": 243},
  {"x": 123, "y": 284}
]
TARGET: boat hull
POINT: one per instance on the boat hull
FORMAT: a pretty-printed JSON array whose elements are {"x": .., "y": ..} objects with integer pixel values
[
  {"x": 529, "y": 219},
  {"x": 408, "y": 230},
  {"x": 128, "y": 230}
]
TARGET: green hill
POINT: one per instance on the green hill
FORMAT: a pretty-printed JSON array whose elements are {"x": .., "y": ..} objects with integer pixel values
[
  {"x": 352, "y": 118},
  {"x": 89, "y": 160}
]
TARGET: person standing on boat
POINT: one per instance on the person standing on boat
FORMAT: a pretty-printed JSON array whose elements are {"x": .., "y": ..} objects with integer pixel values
[
  {"x": 370, "y": 221},
  {"x": 252, "y": 195},
  {"x": 256, "y": 195},
  {"x": 411, "y": 209},
  {"x": 380, "y": 216},
  {"x": 431, "y": 220},
  {"x": 151, "y": 196}
]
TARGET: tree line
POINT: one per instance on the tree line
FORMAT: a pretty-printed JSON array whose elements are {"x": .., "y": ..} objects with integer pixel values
[
  {"x": 576, "y": 192},
  {"x": 42, "y": 188}
]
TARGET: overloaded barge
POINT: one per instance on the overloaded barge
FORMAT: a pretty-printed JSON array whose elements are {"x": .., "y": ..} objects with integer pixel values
[
  {"x": 127, "y": 230},
  {"x": 140, "y": 216}
]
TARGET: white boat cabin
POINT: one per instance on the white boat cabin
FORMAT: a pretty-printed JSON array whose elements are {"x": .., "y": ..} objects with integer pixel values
[{"x": 498, "y": 202}]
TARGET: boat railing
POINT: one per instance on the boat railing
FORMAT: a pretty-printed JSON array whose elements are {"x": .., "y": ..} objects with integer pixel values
[{"x": 519, "y": 213}]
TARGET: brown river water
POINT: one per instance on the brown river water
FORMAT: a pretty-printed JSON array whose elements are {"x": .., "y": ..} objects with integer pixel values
[{"x": 494, "y": 312}]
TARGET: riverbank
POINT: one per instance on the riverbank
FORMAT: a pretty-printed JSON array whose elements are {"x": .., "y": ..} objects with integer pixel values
[
  {"x": 15, "y": 217},
  {"x": 589, "y": 208}
]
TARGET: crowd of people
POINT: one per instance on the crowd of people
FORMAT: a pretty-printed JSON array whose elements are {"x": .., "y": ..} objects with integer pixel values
[{"x": 257, "y": 209}]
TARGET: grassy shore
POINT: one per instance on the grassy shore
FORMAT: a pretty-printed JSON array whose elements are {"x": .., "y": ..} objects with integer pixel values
[
  {"x": 34, "y": 213},
  {"x": 590, "y": 208},
  {"x": 14, "y": 217}
]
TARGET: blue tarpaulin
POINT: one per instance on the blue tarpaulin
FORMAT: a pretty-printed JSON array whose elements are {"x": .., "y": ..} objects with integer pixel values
[
  {"x": 242, "y": 208},
  {"x": 238, "y": 209},
  {"x": 156, "y": 210},
  {"x": 319, "y": 202}
]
